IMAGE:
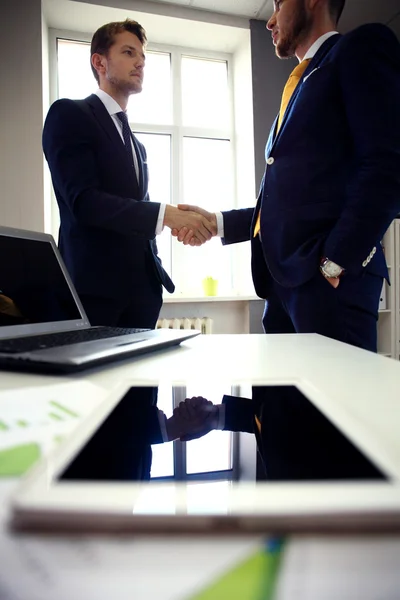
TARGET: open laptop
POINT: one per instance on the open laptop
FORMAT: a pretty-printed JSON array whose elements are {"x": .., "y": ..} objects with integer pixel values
[{"x": 43, "y": 326}]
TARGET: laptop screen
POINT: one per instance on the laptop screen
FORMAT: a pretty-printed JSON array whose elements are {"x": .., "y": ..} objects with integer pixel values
[{"x": 33, "y": 287}]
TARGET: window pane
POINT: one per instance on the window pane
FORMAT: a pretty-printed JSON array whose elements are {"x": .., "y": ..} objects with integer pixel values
[
  {"x": 213, "y": 452},
  {"x": 158, "y": 149},
  {"x": 207, "y": 173},
  {"x": 154, "y": 103},
  {"x": 205, "y": 97},
  {"x": 75, "y": 77},
  {"x": 207, "y": 182},
  {"x": 163, "y": 454}
]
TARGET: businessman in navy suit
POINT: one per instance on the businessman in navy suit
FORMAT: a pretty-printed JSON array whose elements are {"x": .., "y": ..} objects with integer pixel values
[
  {"x": 331, "y": 186},
  {"x": 99, "y": 172},
  {"x": 330, "y": 190}
]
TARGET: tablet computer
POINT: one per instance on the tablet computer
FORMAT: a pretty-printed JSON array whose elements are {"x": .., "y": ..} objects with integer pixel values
[{"x": 118, "y": 473}]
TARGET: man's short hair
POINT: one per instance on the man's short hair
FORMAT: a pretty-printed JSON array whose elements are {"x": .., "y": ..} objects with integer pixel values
[
  {"x": 336, "y": 8},
  {"x": 104, "y": 38}
]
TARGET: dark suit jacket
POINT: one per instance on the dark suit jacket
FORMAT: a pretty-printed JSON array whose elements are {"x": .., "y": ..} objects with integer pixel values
[
  {"x": 332, "y": 187},
  {"x": 107, "y": 224},
  {"x": 120, "y": 450},
  {"x": 296, "y": 441}
]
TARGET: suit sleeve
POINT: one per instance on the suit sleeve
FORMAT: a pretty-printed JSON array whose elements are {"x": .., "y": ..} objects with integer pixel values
[
  {"x": 369, "y": 79},
  {"x": 239, "y": 414},
  {"x": 237, "y": 225},
  {"x": 68, "y": 144}
]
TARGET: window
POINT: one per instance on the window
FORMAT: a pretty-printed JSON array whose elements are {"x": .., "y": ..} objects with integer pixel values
[{"x": 184, "y": 119}]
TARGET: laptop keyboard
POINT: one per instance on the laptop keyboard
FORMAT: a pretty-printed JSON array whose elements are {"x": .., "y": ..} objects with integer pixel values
[{"x": 63, "y": 338}]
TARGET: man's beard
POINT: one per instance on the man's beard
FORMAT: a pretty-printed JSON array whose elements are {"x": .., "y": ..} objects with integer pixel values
[
  {"x": 126, "y": 87},
  {"x": 300, "y": 28}
]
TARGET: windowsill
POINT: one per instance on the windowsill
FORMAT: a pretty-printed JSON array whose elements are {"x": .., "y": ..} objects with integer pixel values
[{"x": 171, "y": 299}]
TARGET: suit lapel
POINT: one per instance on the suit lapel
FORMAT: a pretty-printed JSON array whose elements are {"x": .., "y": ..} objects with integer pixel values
[
  {"x": 314, "y": 63},
  {"x": 271, "y": 138},
  {"x": 105, "y": 121}
]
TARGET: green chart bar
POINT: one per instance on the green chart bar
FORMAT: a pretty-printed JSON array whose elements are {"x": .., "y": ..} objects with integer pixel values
[
  {"x": 55, "y": 417},
  {"x": 64, "y": 409}
]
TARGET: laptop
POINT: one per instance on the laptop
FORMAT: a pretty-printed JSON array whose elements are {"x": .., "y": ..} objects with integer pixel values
[{"x": 43, "y": 326}]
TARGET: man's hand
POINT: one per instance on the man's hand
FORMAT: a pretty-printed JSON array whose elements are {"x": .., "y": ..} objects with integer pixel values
[
  {"x": 185, "y": 235},
  {"x": 334, "y": 281},
  {"x": 192, "y": 419},
  {"x": 200, "y": 228}
]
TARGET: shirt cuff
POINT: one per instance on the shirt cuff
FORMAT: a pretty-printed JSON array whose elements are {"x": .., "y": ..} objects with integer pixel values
[
  {"x": 221, "y": 416},
  {"x": 162, "y": 419},
  {"x": 160, "y": 220},
  {"x": 220, "y": 224}
]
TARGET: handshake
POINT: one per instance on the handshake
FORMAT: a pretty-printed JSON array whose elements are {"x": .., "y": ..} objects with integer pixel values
[
  {"x": 192, "y": 419},
  {"x": 190, "y": 224}
]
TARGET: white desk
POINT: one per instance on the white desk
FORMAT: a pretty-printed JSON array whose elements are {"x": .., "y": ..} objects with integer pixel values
[{"x": 357, "y": 390}]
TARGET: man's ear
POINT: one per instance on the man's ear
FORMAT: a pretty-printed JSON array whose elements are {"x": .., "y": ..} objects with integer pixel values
[{"x": 99, "y": 62}]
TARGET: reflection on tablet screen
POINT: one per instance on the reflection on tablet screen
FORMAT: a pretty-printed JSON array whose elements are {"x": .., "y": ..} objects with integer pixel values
[{"x": 273, "y": 434}]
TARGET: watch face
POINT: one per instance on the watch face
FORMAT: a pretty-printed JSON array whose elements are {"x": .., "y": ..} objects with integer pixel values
[{"x": 332, "y": 269}]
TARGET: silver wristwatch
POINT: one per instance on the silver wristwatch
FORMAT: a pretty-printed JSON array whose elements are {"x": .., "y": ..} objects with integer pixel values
[{"x": 330, "y": 269}]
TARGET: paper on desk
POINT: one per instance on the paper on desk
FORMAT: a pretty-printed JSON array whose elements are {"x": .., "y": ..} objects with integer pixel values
[
  {"x": 127, "y": 568},
  {"x": 33, "y": 422},
  {"x": 120, "y": 567}
]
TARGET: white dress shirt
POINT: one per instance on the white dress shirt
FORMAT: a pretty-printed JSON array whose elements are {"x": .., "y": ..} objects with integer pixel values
[{"x": 113, "y": 108}]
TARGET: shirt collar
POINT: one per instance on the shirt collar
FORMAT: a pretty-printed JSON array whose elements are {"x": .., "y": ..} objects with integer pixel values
[
  {"x": 111, "y": 105},
  {"x": 311, "y": 52}
]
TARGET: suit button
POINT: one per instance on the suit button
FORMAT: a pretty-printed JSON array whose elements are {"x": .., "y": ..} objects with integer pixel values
[{"x": 270, "y": 160}]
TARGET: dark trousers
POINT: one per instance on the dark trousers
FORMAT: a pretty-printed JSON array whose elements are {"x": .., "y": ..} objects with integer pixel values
[
  {"x": 137, "y": 312},
  {"x": 348, "y": 313},
  {"x": 297, "y": 441}
]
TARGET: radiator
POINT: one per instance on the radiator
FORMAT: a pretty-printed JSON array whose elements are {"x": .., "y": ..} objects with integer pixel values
[{"x": 204, "y": 324}]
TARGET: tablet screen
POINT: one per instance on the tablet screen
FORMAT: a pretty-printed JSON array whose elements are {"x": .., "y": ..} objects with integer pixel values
[{"x": 270, "y": 433}]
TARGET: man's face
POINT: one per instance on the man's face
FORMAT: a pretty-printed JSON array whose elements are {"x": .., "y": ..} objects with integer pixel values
[
  {"x": 290, "y": 24},
  {"x": 124, "y": 63}
]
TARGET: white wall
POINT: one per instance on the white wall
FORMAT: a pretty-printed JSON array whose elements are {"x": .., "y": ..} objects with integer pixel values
[
  {"x": 47, "y": 195},
  {"x": 21, "y": 116}
]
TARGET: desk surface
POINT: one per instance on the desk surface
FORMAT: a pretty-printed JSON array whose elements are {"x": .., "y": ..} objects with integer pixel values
[{"x": 357, "y": 390}]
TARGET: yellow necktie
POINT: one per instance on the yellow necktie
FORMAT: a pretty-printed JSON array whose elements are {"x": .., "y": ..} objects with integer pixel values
[{"x": 289, "y": 88}]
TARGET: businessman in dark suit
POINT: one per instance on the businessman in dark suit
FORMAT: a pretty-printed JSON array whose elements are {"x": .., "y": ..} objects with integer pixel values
[
  {"x": 331, "y": 186},
  {"x": 99, "y": 173}
]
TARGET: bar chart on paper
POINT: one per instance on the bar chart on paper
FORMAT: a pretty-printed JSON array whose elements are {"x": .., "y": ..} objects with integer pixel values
[{"x": 32, "y": 424}]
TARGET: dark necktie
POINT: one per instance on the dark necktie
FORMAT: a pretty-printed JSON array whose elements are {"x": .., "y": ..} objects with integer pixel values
[{"x": 127, "y": 135}]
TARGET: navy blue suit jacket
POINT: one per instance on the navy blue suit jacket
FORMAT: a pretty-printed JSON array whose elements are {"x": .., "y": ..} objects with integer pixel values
[
  {"x": 332, "y": 187},
  {"x": 296, "y": 441},
  {"x": 107, "y": 224}
]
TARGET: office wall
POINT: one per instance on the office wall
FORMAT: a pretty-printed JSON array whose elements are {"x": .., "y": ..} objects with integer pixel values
[
  {"x": 21, "y": 116},
  {"x": 269, "y": 77}
]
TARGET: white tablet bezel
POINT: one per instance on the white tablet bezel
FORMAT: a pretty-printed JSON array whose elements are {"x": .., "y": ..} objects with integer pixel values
[{"x": 45, "y": 503}]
